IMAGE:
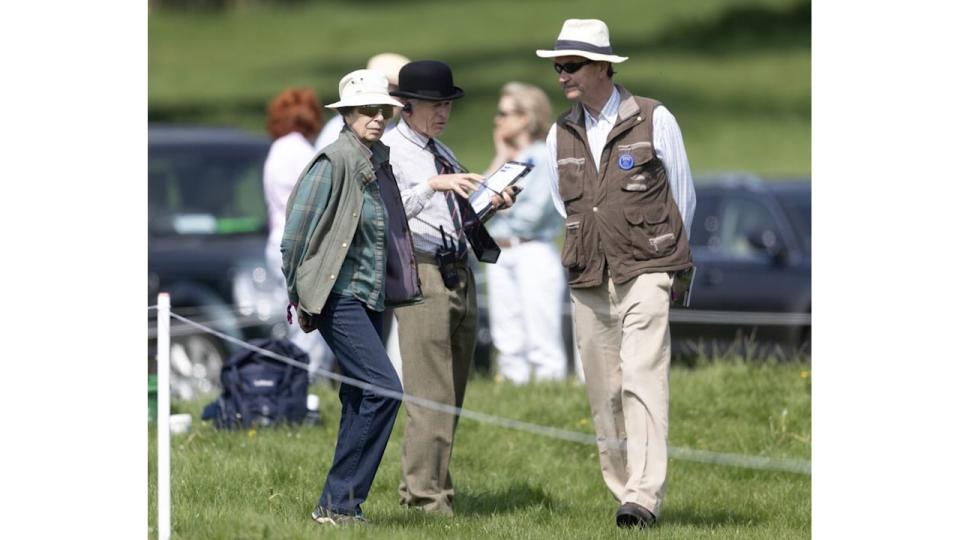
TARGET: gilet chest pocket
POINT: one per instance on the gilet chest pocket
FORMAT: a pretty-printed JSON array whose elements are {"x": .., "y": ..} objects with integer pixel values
[
  {"x": 650, "y": 232},
  {"x": 630, "y": 161},
  {"x": 570, "y": 174},
  {"x": 572, "y": 254},
  {"x": 631, "y": 156}
]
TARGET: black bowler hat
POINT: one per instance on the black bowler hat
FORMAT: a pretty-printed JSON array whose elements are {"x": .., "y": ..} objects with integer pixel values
[{"x": 427, "y": 79}]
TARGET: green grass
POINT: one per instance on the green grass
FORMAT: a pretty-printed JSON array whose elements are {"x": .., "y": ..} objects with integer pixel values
[
  {"x": 736, "y": 73},
  {"x": 263, "y": 484}
]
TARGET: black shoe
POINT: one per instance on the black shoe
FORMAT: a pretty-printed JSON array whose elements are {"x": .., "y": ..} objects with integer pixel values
[{"x": 634, "y": 515}]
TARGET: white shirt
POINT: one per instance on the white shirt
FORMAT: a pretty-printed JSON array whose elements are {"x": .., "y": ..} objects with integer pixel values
[
  {"x": 599, "y": 128},
  {"x": 667, "y": 143},
  {"x": 413, "y": 164},
  {"x": 287, "y": 158},
  {"x": 329, "y": 133}
]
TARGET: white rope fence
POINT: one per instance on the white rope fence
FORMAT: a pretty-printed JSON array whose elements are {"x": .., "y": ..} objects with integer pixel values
[
  {"x": 718, "y": 458},
  {"x": 163, "y": 416}
]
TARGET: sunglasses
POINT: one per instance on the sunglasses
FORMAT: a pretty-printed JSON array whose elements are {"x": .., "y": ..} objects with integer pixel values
[
  {"x": 570, "y": 67},
  {"x": 372, "y": 110}
]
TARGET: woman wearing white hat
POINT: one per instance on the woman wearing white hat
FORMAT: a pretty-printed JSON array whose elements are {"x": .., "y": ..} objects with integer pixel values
[{"x": 347, "y": 254}]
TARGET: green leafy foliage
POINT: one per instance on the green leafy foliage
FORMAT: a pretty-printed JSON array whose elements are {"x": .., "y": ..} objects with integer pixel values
[{"x": 735, "y": 73}]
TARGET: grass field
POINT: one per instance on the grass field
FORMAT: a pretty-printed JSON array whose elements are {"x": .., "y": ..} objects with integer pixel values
[
  {"x": 736, "y": 73},
  {"x": 263, "y": 484}
]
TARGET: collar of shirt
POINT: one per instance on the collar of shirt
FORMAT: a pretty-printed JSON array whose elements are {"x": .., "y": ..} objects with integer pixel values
[
  {"x": 377, "y": 154},
  {"x": 367, "y": 152},
  {"x": 609, "y": 112},
  {"x": 411, "y": 134},
  {"x": 421, "y": 141}
]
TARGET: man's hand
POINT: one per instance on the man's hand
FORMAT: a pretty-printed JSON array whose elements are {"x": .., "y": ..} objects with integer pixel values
[
  {"x": 505, "y": 198},
  {"x": 463, "y": 184}
]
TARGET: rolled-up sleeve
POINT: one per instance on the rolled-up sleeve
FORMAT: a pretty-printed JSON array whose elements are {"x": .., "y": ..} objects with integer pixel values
[
  {"x": 668, "y": 142},
  {"x": 553, "y": 175},
  {"x": 307, "y": 202}
]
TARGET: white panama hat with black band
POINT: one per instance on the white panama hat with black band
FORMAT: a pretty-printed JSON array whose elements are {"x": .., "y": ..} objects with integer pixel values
[
  {"x": 364, "y": 87},
  {"x": 588, "y": 38}
]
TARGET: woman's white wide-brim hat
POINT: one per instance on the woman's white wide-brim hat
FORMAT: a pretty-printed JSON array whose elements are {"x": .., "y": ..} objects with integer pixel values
[
  {"x": 588, "y": 38},
  {"x": 364, "y": 87}
]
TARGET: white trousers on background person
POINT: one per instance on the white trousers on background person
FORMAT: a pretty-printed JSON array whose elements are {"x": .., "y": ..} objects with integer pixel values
[{"x": 527, "y": 287}]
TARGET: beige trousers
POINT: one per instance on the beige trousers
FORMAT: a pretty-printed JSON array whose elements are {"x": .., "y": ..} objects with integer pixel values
[
  {"x": 623, "y": 337},
  {"x": 437, "y": 338}
]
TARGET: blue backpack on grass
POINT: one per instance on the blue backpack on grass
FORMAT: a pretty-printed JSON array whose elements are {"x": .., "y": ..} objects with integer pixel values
[{"x": 259, "y": 390}]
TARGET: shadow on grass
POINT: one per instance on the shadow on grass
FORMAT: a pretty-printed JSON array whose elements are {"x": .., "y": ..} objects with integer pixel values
[
  {"x": 706, "y": 518},
  {"x": 516, "y": 497}
]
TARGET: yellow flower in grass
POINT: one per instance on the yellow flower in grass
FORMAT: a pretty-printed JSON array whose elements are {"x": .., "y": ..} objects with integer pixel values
[{"x": 804, "y": 374}]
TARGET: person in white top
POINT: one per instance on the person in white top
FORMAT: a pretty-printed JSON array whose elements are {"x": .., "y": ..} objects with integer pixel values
[
  {"x": 293, "y": 120},
  {"x": 528, "y": 284},
  {"x": 387, "y": 63},
  {"x": 620, "y": 177}
]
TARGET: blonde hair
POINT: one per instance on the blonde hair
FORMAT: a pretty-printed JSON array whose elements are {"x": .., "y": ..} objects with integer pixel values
[{"x": 533, "y": 102}]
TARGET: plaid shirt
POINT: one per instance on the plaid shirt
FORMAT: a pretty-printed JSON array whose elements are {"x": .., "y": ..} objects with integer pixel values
[{"x": 362, "y": 272}]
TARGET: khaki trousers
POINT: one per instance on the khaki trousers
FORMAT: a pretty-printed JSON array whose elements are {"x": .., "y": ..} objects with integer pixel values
[
  {"x": 437, "y": 339},
  {"x": 623, "y": 337}
]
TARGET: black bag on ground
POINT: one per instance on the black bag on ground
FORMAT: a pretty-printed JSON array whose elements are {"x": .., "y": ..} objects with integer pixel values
[{"x": 259, "y": 390}]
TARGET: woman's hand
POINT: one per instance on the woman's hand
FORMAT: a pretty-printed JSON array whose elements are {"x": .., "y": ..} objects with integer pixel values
[{"x": 463, "y": 184}]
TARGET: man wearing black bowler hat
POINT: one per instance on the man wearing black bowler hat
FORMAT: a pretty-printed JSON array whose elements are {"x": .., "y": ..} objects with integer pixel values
[
  {"x": 621, "y": 179},
  {"x": 437, "y": 337}
]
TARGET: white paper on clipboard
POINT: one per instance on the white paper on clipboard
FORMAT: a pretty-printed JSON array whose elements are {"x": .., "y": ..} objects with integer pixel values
[{"x": 501, "y": 179}]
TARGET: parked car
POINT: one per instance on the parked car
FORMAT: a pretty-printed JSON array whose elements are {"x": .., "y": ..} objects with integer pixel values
[
  {"x": 751, "y": 245},
  {"x": 207, "y": 229}
]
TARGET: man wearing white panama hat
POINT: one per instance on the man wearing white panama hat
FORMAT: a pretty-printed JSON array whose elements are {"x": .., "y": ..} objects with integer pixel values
[
  {"x": 347, "y": 254},
  {"x": 620, "y": 177}
]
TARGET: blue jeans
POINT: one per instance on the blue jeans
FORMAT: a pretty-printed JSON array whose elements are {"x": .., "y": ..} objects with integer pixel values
[{"x": 366, "y": 420}]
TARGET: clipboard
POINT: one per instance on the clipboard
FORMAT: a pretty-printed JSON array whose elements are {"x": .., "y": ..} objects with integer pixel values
[
  {"x": 682, "y": 291},
  {"x": 484, "y": 246},
  {"x": 501, "y": 179}
]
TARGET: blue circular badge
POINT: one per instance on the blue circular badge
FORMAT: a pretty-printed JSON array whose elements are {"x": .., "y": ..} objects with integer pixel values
[{"x": 626, "y": 161}]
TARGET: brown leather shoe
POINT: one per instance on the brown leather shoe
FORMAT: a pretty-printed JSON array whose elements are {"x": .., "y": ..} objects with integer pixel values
[{"x": 634, "y": 515}]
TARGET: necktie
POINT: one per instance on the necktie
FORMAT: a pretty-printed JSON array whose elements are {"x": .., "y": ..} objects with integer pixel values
[{"x": 444, "y": 167}]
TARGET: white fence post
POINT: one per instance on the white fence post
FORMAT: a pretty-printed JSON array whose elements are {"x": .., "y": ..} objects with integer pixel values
[{"x": 163, "y": 416}]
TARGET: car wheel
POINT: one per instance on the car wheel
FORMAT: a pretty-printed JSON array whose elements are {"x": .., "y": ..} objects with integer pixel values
[{"x": 195, "y": 363}]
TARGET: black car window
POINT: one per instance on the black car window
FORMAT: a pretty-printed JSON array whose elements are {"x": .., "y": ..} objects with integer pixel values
[
  {"x": 706, "y": 221},
  {"x": 741, "y": 218},
  {"x": 797, "y": 206},
  {"x": 203, "y": 190}
]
